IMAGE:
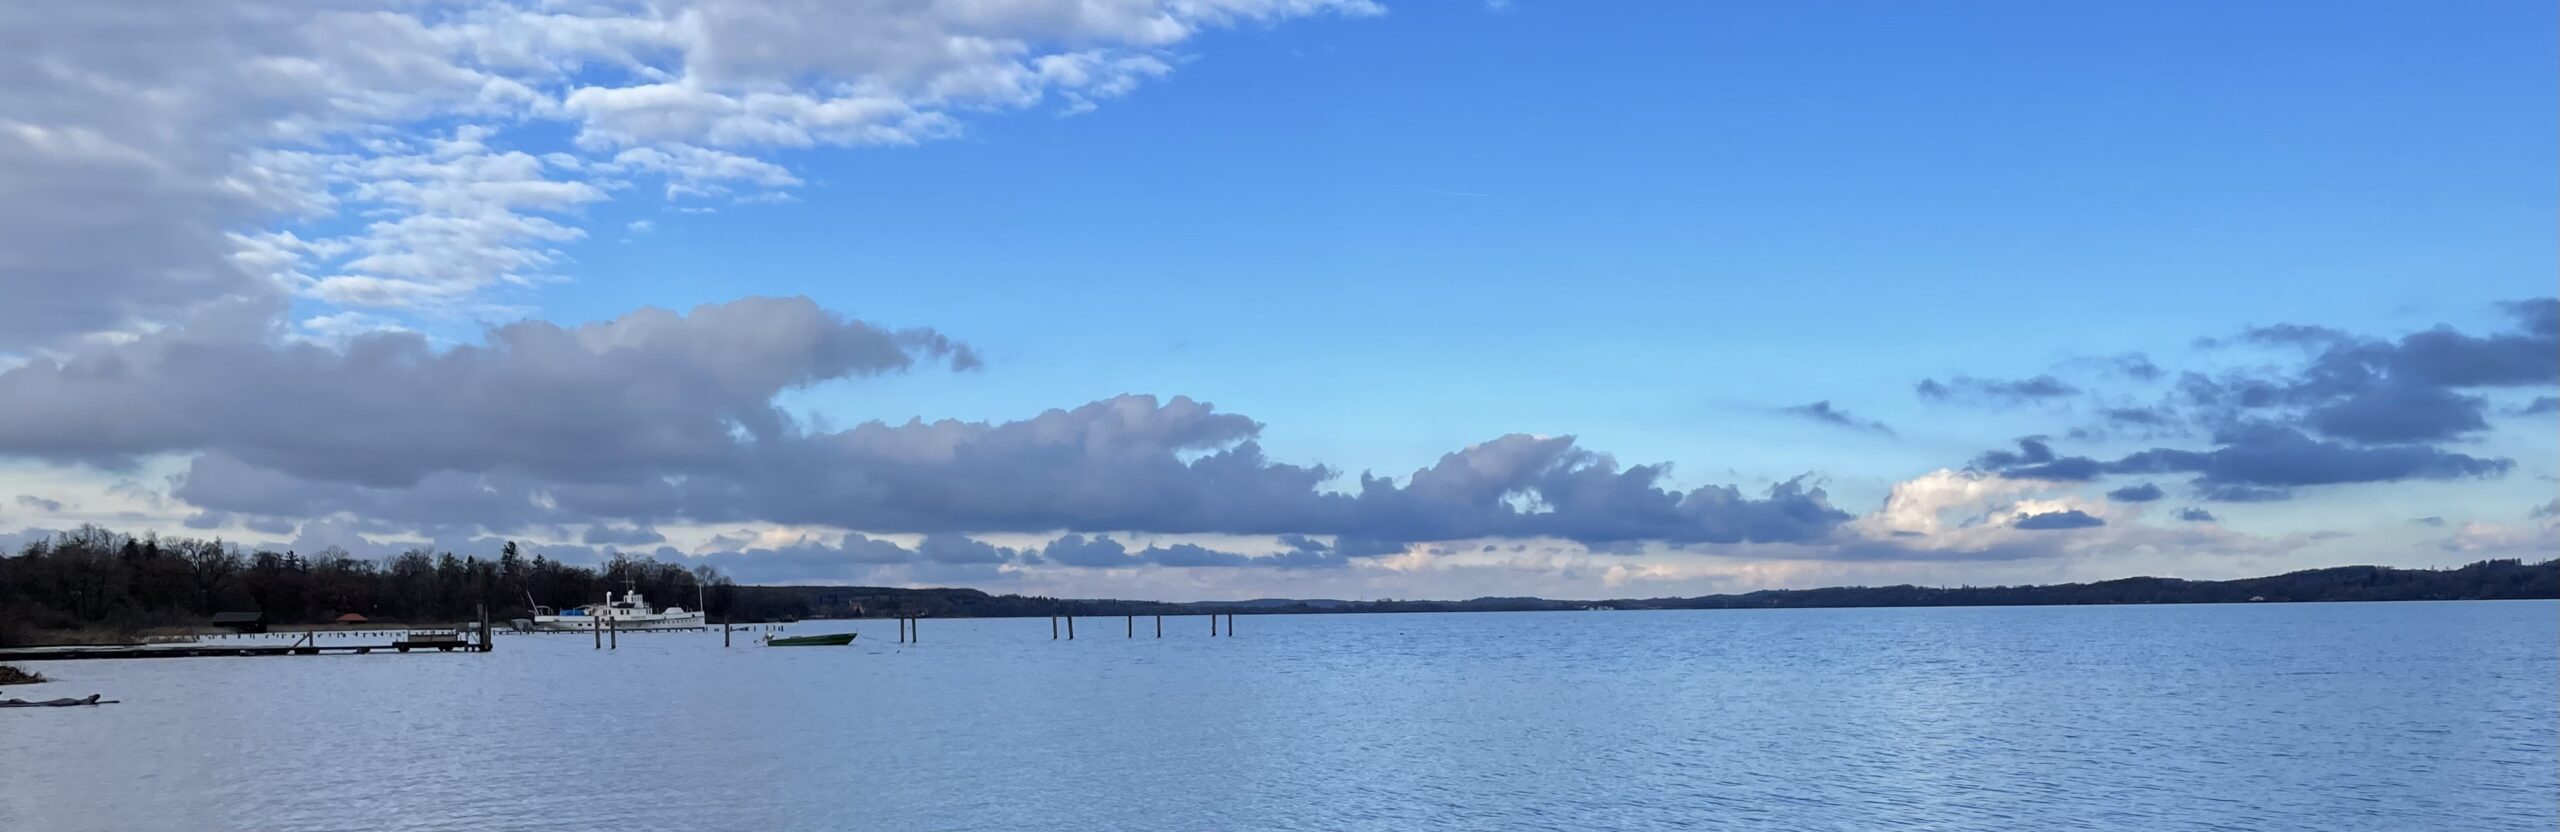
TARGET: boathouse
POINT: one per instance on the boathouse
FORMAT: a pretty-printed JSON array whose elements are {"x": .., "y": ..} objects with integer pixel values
[{"x": 250, "y": 621}]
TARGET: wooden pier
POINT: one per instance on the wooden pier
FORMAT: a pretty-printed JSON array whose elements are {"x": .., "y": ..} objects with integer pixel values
[{"x": 467, "y": 639}]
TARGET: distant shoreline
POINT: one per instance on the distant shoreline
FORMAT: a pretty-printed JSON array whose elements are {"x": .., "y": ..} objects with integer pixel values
[{"x": 2491, "y": 580}]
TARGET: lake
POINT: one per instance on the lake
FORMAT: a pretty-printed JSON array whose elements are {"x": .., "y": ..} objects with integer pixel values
[{"x": 2393, "y": 716}]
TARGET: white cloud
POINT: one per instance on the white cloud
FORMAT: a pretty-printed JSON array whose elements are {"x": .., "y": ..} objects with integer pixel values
[{"x": 388, "y": 155}]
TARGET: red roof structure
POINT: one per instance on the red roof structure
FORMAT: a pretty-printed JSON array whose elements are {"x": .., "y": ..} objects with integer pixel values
[{"x": 352, "y": 618}]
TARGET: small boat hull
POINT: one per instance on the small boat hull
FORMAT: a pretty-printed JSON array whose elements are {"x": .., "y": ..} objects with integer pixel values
[{"x": 832, "y": 640}]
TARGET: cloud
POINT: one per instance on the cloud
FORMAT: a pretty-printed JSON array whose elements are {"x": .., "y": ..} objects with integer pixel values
[
  {"x": 660, "y": 417},
  {"x": 2540, "y": 406},
  {"x": 1823, "y": 412},
  {"x": 398, "y": 156},
  {"x": 2253, "y": 463},
  {"x": 2140, "y": 493},
  {"x": 2266, "y": 456},
  {"x": 2035, "y": 460},
  {"x": 2052, "y": 520},
  {"x": 2192, "y": 514},
  {"x": 1968, "y": 388},
  {"x": 2383, "y": 391},
  {"x": 609, "y": 535},
  {"x": 48, "y": 506},
  {"x": 2428, "y": 521},
  {"x": 650, "y": 391}
]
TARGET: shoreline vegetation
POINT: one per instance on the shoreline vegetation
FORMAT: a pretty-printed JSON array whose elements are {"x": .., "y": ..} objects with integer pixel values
[{"x": 93, "y": 585}]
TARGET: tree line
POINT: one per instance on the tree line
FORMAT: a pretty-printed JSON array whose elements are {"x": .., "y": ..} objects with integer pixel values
[{"x": 94, "y": 579}]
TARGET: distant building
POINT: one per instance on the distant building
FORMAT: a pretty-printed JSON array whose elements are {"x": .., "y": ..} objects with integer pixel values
[
  {"x": 351, "y": 619},
  {"x": 241, "y": 622}
]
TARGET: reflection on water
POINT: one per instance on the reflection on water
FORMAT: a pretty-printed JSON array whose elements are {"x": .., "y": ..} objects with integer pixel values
[{"x": 2303, "y": 716}]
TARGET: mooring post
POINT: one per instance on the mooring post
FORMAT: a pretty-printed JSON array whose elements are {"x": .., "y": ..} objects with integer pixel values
[
  {"x": 1053, "y": 626},
  {"x": 613, "y": 640},
  {"x": 724, "y": 631},
  {"x": 1213, "y": 625},
  {"x": 597, "y": 624},
  {"x": 915, "y": 630},
  {"x": 1133, "y": 626},
  {"x": 1071, "y": 626},
  {"x": 1231, "y": 625},
  {"x": 1159, "y": 625}
]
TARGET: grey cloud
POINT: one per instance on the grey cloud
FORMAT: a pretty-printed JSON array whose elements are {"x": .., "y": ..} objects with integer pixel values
[
  {"x": 2035, "y": 460},
  {"x": 2142, "y": 493},
  {"x": 2227, "y": 492},
  {"x": 2428, "y": 521},
  {"x": 30, "y": 501},
  {"x": 2254, "y": 463},
  {"x": 1102, "y": 553},
  {"x": 1823, "y": 412},
  {"x": 2137, "y": 366},
  {"x": 2139, "y": 416},
  {"x": 2540, "y": 406},
  {"x": 613, "y": 535},
  {"x": 1130, "y": 464},
  {"x": 2282, "y": 457},
  {"x": 2011, "y": 391},
  {"x": 2192, "y": 514},
  {"x": 2057, "y": 520},
  {"x": 2373, "y": 390},
  {"x": 954, "y": 548},
  {"x": 647, "y": 392},
  {"x": 118, "y": 207},
  {"x": 2400, "y": 413},
  {"x": 2348, "y": 409}
]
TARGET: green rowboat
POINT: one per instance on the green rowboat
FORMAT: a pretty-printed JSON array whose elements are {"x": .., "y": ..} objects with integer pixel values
[{"x": 830, "y": 640}]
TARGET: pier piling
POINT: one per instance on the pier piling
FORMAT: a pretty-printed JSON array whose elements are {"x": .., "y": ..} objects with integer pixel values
[
  {"x": 1133, "y": 626},
  {"x": 1071, "y": 626},
  {"x": 1159, "y": 625}
]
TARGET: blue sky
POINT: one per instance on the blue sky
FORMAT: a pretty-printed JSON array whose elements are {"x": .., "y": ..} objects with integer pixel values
[{"x": 1389, "y": 236}]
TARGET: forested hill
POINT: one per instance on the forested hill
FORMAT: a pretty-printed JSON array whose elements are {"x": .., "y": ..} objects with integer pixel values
[{"x": 75, "y": 584}]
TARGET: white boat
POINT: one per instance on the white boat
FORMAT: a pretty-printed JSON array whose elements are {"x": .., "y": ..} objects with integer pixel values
[{"x": 629, "y": 613}]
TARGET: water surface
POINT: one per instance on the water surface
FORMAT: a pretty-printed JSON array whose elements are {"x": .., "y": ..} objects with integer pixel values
[{"x": 2395, "y": 716}]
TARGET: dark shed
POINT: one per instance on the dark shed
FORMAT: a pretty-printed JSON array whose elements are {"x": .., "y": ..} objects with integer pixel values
[{"x": 242, "y": 622}]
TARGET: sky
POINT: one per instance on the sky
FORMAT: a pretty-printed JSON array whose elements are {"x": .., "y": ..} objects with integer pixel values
[{"x": 1197, "y": 299}]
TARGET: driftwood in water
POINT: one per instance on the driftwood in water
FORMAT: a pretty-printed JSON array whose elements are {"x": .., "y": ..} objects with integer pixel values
[{"x": 64, "y": 702}]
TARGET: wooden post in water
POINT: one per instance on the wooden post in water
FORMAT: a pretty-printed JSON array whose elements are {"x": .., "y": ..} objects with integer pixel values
[
  {"x": 915, "y": 630},
  {"x": 724, "y": 631},
  {"x": 1159, "y": 625},
  {"x": 1213, "y": 625},
  {"x": 1133, "y": 625},
  {"x": 613, "y": 639},
  {"x": 1053, "y": 626},
  {"x": 1231, "y": 625},
  {"x": 597, "y": 624},
  {"x": 1071, "y": 626}
]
